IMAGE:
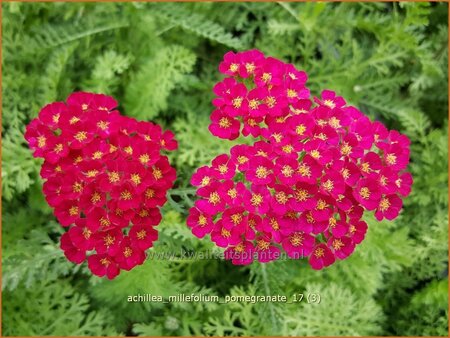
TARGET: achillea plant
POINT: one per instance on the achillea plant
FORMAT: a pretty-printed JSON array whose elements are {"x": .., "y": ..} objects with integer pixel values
[
  {"x": 105, "y": 178},
  {"x": 303, "y": 186}
]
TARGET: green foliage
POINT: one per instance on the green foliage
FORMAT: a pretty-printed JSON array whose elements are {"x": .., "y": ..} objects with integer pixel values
[
  {"x": 160, "y": 62},
  {"x": 61, "y": 312},
  {"x": 197, "y": 24},
  {"x": 150, "y": 87},
  {"x": 362, "y": 314},
  {"x": 19, "y": 168},
  {"x": 427, "y": 312}
]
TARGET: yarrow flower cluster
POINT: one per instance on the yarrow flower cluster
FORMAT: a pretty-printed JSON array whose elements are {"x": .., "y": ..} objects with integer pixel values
[
  {"x": 105, "y": 177},
  {"x": 304, "y": 185}
]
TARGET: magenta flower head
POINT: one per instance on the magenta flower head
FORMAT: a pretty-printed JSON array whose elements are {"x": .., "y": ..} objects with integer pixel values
[
  {"x": 105, "y": 177},
  {"x": 302, "y": 187}
]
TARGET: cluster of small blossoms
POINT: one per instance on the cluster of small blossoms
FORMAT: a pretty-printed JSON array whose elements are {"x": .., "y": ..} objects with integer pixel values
[
  {"x": 104, "y": 177},
  {"x": 304, "y": 186}
]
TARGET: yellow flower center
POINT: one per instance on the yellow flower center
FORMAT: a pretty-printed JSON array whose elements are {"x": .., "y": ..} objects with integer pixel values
[
  {"x": 274, "y": 224},
  {"x": 149, "y": 193},
  {"x": 261, "y": 172},
  {"x": 234, "y": 67},
  {"x": 251, "y": 122},
  {"x": 291, "y": 93},
  {"x": 300, "y": 129},
  {"x": 126, "y": 195},
  {"x": 205, "y": 181},
  {"x": 143, "y": 213},
  {"x": 103, "y": 125},
  {"x": 321, "y": 136},
  {"x": 301, "y": 195},
  {"x": 92, "y": 173},
  {"x": 281, "y": 197},
  {"x": 266, "y": 77},
  {"x": 223, "y": 168},
  {"x": 86, "y": 233},
  {"x": 127, "y": 252},
  {"x": 74, "y": 120},
  {"x": 73, "y": 211},
  {"x": 232, "y": 193},
  {"x": 332, "y": 222},
  {"x": 58, "y": 148},
  {"x": 157, "y": 174},
  {"x": 225, "y": 233},
  {"x": 277, "y": 136},
  {"x": 334, "y": 122},
  {"x": 346, "y": 149},
  {"x": 105, "y": 261},
  {"x": 237, "y": 102},
  {"x": 263, "y": 245},
  {"x": 113, "y": 177},
  {"x": 97, "y": 155},
  {"x": 364, "y": 193},
  {"x": 239, "y": 248},
  {"x": 329, "y": 103},
  {"x": 42, "y": 141},
  {"x": 77, "y": 187},
  {"x": 321, "y": 204},
  {"x": 319, "y": 252},
  {"x": 328, "y": 185},
  {"x": 96, "y": 197},
  {"x": 224, "y": 122},
  {"x": 141, "y": 234},
  {"x": 202, "y": 220},
  {"x": 136, "y": 179},
  {"x": 287, "y": 171},
  {"x": 315, "y": 154},
  {"x": 256, "y": 200},
  {"x": 55, "y": 118},
  {"x": 365, "y": 167},
  {"x": 384, "y": 204},
  {"x": 236, "y": 218},
  {"x": 250, "y": 67},
  {"x": 128, "y": 150},
  {"x": 271, "y": 101},
  {"x": 144, "y": 158},
  {"x": 104, "y": 222},
  {"x": 108, "y": 239},
  {"x": 214, "y": 198},
  {"x": 391, "y": 159},
  {"x": 345, "y": 173},
  {"x": 288, "y": 148},
  {"x": 337, "y": 244},
  {"x": 253, "y": 104},
  {"x": 80, "y": 136},
  {"x": 242, "y": 159},
  {"x": 296, "y": 239},
  {"x": 112, "y": 148},
  {"x": 304, "y": 170}
]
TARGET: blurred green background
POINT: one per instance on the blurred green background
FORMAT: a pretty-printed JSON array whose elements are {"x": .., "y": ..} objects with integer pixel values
[{"x": 160, "y": 62}]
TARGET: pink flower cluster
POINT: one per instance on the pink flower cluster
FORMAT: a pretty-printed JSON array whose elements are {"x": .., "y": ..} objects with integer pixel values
[
  {"x": 304, "y": 185},
  {"x": 105, "y": 177}
]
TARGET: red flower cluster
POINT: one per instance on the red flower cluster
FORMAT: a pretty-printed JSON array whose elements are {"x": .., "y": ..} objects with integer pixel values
[
  {"x": 304, "y": 186},
  {"x": 104, "y": 173}
]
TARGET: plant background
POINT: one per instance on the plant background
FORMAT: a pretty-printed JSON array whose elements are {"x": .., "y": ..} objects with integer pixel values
[{"x": 160, "y": 62}]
